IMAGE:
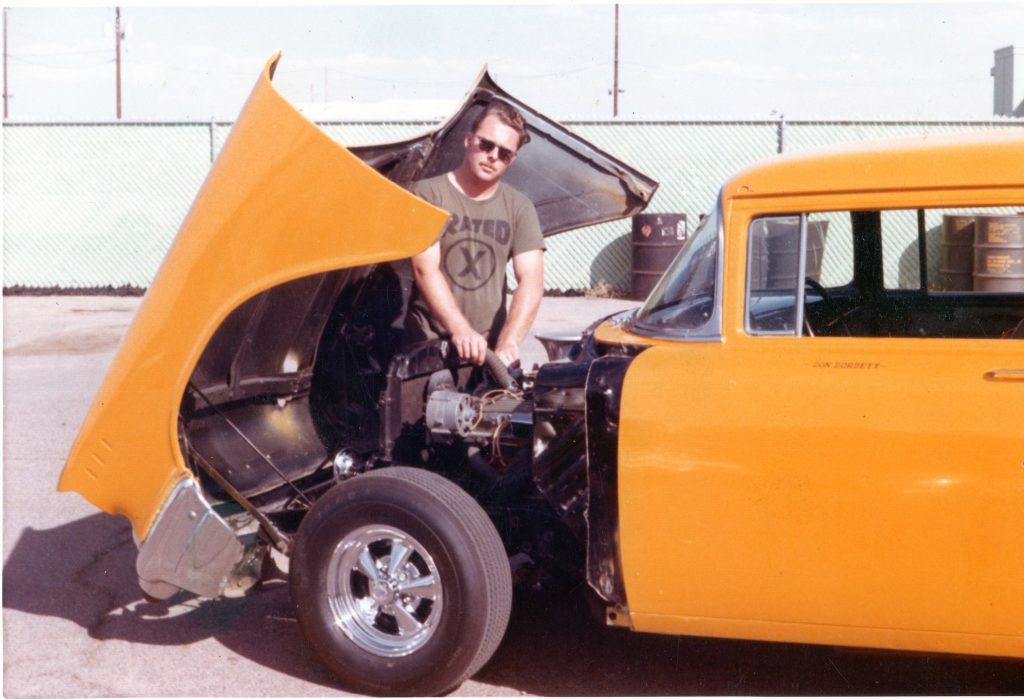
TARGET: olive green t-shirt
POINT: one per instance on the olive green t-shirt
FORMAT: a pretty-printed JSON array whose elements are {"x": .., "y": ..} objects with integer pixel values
[{"x": 476, "y": 244}]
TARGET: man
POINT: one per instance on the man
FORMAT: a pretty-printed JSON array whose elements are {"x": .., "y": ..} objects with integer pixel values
[{"x": 460, "y": 279}]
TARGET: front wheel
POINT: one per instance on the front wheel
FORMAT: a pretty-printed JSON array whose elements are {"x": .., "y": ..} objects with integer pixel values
[{"x": 400, "y": 582}]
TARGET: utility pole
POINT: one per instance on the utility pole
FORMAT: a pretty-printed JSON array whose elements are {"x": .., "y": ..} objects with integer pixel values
[
  {"x": 615, "y": 80},
  {"x": 117, "y": 45},
  {"x": 5, "y": 63}
]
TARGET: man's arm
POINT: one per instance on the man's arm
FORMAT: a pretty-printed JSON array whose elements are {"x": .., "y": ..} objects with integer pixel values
[
  {"x": 426, "y": 270},
  {"x": 529, "y": 270}
]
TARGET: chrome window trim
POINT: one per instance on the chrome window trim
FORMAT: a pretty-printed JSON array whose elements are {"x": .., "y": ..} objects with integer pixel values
[
  {"x": 798, "y": 320},
  {"x": 801, "y": 274}
]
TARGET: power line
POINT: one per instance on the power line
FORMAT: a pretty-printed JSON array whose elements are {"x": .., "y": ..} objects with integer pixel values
[
  {"x": 356, "y": 76},
  {"x": 70, "y": 52},
  {"x": 72, "y": 66},
  {"x": 792, "y": 78},
  {"x": 557, "y": 74},
  {"x": 518, "y": 76}
]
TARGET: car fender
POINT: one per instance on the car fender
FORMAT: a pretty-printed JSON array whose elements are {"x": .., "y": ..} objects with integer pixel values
[{"x": 276, "y": 206}]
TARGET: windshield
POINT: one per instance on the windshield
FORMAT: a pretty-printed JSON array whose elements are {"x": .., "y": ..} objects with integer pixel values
[{"x": 684, "y": 299}]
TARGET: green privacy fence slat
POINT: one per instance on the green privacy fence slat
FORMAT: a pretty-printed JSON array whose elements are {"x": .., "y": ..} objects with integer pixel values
[
  {"x": 690, "y": 160},
  {"x": 90, "y": 205},
  {"x": 96, "y": 205}
]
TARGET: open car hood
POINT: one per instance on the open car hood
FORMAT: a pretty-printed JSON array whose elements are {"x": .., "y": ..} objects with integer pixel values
[
  {"x": 571, "y": 182},
  {"x": 289, "y": 230}
]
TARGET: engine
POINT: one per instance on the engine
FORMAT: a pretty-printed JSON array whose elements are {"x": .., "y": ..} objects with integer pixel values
[
  {"x": 497, "y": 417},
  {"x": 538, "y": 453},
  {"x": 547, "y": 416}
]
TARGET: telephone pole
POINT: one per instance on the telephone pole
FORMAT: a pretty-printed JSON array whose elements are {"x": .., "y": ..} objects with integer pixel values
[
  {"x": 5, "y": 63},
  {"x": 615, "y": 79},
  {"x": 117, "y": 45}
]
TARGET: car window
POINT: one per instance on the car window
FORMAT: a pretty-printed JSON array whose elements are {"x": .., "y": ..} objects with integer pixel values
[
  {"x": 900, "y": 254},
  {"x": 774, "y": 263},
  {"x": 891, "y": 273},
  {"x": 685, "y": 302},
  {"x": 772, "y": 269}
]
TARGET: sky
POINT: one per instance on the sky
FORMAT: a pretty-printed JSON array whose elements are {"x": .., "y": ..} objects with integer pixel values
[{"x": 721, "y": 61}]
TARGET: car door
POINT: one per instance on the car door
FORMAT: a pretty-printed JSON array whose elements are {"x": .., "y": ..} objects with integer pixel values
[{"x": 846, "y": 490}]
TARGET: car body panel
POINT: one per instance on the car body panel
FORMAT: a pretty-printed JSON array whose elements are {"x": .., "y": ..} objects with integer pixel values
[
  {"x": 844, "y": 490},
  {"x": 276, "y": 206},
  {"x": 821, "y": 483}
]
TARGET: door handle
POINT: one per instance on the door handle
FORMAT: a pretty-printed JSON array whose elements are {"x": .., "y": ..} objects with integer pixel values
[{"x": 1004, "y": 375}]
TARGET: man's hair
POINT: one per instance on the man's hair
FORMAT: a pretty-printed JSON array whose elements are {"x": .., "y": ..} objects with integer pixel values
[{"x": 508, "y": 115}]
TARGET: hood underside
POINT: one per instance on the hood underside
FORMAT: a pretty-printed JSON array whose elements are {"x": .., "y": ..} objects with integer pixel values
[{"x": 571, "y": 182}]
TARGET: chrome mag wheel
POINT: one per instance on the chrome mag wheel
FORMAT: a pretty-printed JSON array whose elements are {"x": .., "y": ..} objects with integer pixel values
[
  {"x": 384, "y": 591},
  {"x": 401, "y": 583}
]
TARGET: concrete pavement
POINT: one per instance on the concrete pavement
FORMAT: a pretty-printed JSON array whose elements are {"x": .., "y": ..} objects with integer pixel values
[{"x": 75, "y": 622}]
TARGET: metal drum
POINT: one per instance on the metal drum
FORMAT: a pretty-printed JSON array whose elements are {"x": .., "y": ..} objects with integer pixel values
[
  {"x": 776, "y": 252},
  {"x": 956, "y": 266},
  {"x": 999, "y": 253},
  {"x": 657, "y": 239}
]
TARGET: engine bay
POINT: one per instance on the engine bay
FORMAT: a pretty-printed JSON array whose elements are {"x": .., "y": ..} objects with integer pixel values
[{"x": 534, "y": 448}]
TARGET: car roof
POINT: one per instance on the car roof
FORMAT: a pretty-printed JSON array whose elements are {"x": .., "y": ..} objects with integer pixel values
[{"x": 977, "y": 159}]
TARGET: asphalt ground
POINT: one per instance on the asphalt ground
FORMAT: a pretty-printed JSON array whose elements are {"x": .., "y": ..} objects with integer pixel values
[{"x": 75, "y": 623}]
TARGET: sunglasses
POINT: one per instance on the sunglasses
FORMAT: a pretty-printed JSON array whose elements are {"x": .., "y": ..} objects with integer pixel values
[{"x": 486, "y": 146}]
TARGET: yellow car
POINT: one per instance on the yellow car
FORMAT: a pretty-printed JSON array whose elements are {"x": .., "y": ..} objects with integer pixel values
[{"x": 811, "y": 431}]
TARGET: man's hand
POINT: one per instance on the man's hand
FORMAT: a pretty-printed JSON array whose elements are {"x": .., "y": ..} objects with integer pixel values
[
  {"x": 471, "y": 345},
  {"x": 508, "y": 352}
]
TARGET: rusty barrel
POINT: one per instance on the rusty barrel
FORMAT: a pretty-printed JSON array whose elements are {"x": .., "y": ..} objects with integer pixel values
[
  {"x": 775, "y": 253},
  {"x": 999, "y": 253},
  {"x": 956, "y": 264},
  {"x": 657, "y": 239}
]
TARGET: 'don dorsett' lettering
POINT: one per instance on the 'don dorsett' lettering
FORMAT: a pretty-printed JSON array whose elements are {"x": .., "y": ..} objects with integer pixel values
[{"x": 497, "y": 229}]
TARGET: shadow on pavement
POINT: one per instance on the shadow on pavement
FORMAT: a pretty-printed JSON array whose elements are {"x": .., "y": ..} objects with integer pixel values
[
  {"x": 553, "y": 647},
  {"x": 84, "y": 572}
]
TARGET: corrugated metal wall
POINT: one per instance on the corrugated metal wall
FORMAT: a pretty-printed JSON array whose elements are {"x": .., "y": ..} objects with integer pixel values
[{"x": 91, "y": 205}]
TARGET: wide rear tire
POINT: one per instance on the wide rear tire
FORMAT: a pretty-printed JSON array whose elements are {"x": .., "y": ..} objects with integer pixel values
[{"x": 400, "y": 582}]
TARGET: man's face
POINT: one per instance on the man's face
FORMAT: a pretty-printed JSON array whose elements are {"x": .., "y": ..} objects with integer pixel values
[{"x": 488, "y": 165}]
